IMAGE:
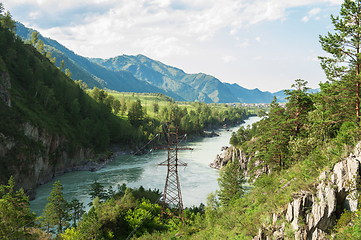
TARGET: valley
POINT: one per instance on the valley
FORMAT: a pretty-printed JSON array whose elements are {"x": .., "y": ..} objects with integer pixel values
[{"x": 291, "y": 170}]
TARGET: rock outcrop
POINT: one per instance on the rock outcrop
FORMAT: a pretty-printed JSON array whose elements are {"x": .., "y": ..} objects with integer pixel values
[
  {"x": 52, "y": 155},
  {"x": 311, "y": 214},
  {"x": 250, "y": 168}
]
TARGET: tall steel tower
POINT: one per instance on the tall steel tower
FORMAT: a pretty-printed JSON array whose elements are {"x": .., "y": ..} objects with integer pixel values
[{"x": 172, "y": 205}]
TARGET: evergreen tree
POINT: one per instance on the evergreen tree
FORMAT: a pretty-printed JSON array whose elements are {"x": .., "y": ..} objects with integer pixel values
[
  {"x": 345, "y": 45},
  {"x": 14, "y": 212},
  {"x": 298, "y": 106},
  {"x": 230, "y": 181},
  {"x": 76, "y": 210},
  {"x": 97, "y": 191},
  {"x": 273, "y": 137},
  {"x": 55, "y": 213},
  {"x": 6, "y": 19}
]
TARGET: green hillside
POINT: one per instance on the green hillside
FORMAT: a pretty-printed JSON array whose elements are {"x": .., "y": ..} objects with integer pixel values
[{"x": 38, "y": 94}]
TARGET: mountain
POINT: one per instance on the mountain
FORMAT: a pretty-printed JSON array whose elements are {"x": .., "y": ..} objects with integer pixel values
[
  {"x": 141, "y": 74},
  {"x": 91, "y": 73},
  {"x": 250, "y": 96},
  {"x": 192, "y": 87}
]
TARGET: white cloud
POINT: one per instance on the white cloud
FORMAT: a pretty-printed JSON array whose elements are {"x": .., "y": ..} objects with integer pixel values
[
  {"x": 161, "y": 47},
  {"x": 228, "y": 59},
  {"x": 244, "y": 44},
  {"x": 311, "y": 14},
  {"x": 305, "y": 19},
  {"x": 160, "y": 27},
  {"x": 314, "y": 11},
  {"x": 34, "y": 15}
]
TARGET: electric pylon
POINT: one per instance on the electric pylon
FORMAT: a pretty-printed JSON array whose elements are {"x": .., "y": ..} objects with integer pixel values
[{"x": 172, "y": 197}]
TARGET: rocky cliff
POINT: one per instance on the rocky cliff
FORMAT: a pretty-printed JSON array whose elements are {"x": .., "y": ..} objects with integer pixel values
[
  {"x": 250, "y": 167},
  {"x": 48, "y": 155},
  {"x": 311, "y": 214}
]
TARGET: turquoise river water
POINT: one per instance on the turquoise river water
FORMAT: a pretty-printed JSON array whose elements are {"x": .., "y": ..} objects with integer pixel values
[{"x": 197, "y": 179}]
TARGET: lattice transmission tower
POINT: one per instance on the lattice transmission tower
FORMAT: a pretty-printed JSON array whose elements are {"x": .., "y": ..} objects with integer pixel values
[{"x": 172, "y": 197}]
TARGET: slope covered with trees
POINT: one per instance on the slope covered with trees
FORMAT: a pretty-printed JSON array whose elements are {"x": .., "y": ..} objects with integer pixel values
[{"x": 45, "y": 115}]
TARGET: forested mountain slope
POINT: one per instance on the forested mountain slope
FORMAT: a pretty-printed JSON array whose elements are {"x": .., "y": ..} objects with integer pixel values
[{"x": 47, "y": 122}]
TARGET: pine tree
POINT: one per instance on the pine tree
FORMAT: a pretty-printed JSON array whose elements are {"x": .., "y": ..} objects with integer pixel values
[
  {"x": 298, "y": 106},
  {"x": 273, "y": 137},
  {"x": 230, "y": 181},
  {"x": 14, "y": 212},
  {"x": 97, "y": 191},
  {"x": 6, "y": 19},
  {"x": 55, "y": 213},
  {"x": 344, "y": 45},
  {"x": 76, "y": 210}
]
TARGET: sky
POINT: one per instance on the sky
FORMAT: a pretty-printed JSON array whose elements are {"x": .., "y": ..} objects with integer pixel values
[{"x": 264, "y": 44}]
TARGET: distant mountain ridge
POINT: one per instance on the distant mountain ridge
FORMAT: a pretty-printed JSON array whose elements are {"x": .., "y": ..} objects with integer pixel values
[
  {"x": 127, "y": 73},
  {"x": 93, "y": 74}
]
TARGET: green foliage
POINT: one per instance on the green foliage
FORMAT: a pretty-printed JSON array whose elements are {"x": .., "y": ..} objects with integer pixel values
[
  {"x": 6, "y": 20},
  {"x": 56, "y": 213},
  {"x": 230, "y": 181},
  {"x": 15, "y": 213},
  {"x": 76, "y": 211},
  {"x": 97, "y": 191},
  {"x": 344, "y": 45},
  {"x": 136, "y": 114},
  {"x": 128, "y": 212},
  {"x": 348, "y": 134},
  {"x": 47, "y": 99},
  {"x": 144, "y": 218}
]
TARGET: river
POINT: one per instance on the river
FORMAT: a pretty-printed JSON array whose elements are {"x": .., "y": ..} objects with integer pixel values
[{"x": 197, "y": 179}]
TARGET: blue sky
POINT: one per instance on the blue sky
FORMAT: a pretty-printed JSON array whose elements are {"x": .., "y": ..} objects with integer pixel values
[{"x": 264, "y": 44}]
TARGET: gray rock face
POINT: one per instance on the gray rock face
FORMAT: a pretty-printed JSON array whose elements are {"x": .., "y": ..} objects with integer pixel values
[
  {"x": 234, "y": 154},
  {"x": 337, "y": 187},
  {"x": 42, "y": 166}
]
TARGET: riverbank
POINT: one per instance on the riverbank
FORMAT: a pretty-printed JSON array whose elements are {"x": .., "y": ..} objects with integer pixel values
[
  {"x": 100, "y": 161},
  {"x": 197, "y": 179},
  {"x": 91, "y": 165}
]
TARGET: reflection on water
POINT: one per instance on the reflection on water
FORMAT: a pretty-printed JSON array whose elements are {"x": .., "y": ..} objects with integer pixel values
[{"x": 197, "y": 179}]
